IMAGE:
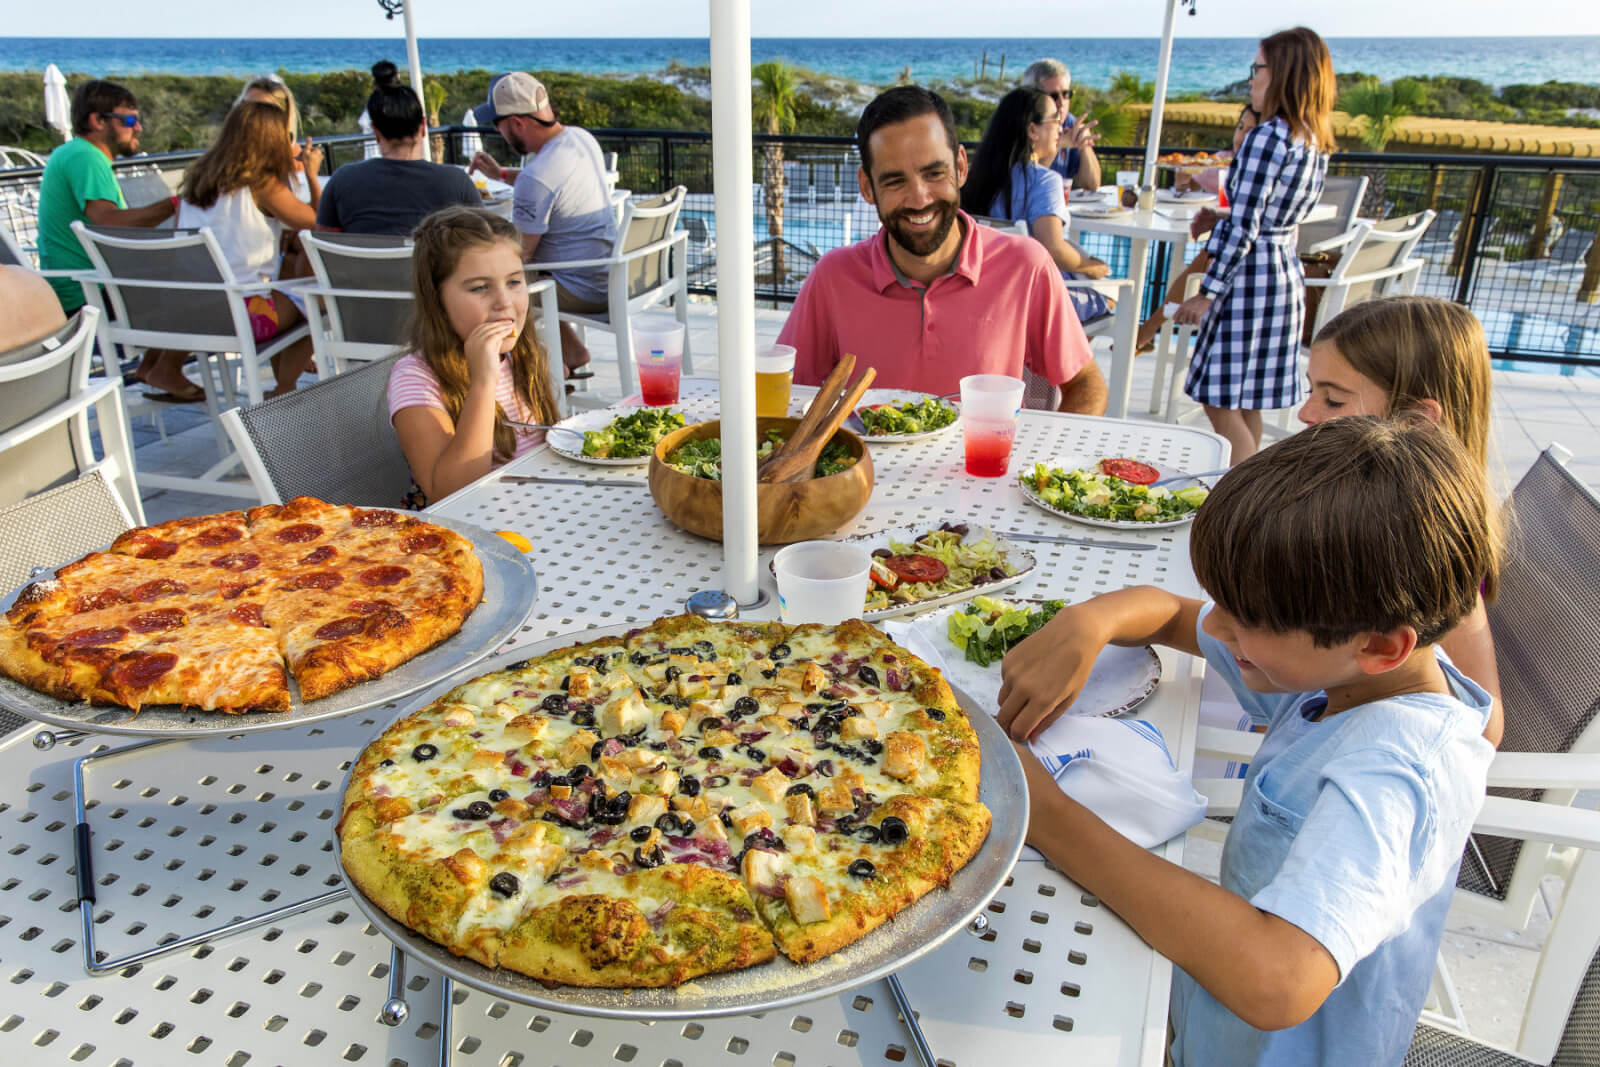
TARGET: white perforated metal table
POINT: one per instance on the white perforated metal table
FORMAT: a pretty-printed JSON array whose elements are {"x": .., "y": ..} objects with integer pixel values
[{"x": 207, "y": 829}]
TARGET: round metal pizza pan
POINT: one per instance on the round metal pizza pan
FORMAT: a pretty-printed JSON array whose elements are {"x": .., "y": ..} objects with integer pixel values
[
  {"x": 509, "y": 591},
  {"x": 913, "y": 933}
]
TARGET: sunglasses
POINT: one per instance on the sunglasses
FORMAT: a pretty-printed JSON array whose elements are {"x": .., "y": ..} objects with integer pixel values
[
  {"x": 1060, "y": 95},
  {"x": 546, "y": 123},
  {"x": 129, "y": 121}
]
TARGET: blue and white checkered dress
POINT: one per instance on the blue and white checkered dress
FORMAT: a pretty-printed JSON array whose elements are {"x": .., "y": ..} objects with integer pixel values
[{"x": 1247, "y": 349}]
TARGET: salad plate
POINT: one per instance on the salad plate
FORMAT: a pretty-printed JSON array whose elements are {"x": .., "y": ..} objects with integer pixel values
[
  {"x": 1121, "y": 493},
  {"x": 899, "y": 408},
  {"x": 634, "y": 431},
  {"x": 1185, "y": 196}
]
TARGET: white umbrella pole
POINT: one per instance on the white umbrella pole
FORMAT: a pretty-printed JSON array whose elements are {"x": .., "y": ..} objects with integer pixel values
[
  {"x": 1152, "y": 147},
  {"x": 414, "y": 62},
  {"x": 731, "y": 150}
]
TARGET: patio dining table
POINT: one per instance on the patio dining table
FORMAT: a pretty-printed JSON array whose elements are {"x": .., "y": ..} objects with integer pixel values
[{"x": 215, "y": 827}]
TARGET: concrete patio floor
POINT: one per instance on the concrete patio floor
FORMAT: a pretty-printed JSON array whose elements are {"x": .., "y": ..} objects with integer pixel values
[{"x": 1492, "y": 968}]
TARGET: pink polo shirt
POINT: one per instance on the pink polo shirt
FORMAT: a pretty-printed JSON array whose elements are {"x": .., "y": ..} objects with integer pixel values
[{"x": 1000, "y": 307}]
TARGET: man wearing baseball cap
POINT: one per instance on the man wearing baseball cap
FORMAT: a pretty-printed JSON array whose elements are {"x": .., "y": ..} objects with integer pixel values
[{"x": 560, "y": 202}]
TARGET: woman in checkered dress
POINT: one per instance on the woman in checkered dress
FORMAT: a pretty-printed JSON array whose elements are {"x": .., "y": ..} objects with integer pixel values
[{"x": 1252, "y": 299}]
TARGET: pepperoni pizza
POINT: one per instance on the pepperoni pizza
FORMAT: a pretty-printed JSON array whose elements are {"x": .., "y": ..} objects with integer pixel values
[{"x": 206, "y": 611}]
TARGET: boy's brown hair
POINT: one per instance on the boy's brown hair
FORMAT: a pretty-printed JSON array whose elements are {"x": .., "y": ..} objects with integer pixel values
[{"x": 1354, "y": 525}]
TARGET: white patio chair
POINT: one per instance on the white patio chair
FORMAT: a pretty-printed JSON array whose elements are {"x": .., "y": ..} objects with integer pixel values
[
  {"x": 358, "y": 298},
  {"x": 1345, "y": 193},
  {"x": 46, "y": 398},
  {"x": 1563, "y": 266},
  {"x": 1440, "y": 240},
  {"x": 331, "y": 440},
  {"x": 648, "y": 266},
  {"x": 1376, "y": 260},
  {"x": 172, "y": 289},
  {"x": 11, "y": 253},
  {"x": 12, "y": 156}
]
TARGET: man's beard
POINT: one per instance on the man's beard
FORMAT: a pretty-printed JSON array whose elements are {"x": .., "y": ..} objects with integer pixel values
[
  {"x": 126, "y": 149},
  {"x": 928, "y": 242}
]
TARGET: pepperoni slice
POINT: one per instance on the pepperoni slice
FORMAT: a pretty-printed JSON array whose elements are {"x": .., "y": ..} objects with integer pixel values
[
  {"x": 917, "y": 568},
  {"x": 156, "y": 589},
  {"x": 139, "y": 669},
  {"x": 247, "y": 615},
  {"x": 105, "y": 598},
  {"x": 368, "y": 607},
  {"x": 218, "y": 535},
  {"x": 314, "y": 580},
  {"x": 150, "y": 622},
  {"x": 348, "y": 626},
  {"x": 384, "y": 621},
  {"x": 234, "y": 588},
  {"x": 299, "y": 533},
  {"x": 319, "y": 555},
  {"x": 1129, "y": 470},
  {"x": 108, "y": 635},
  {"x": 367, "y": 519},
  {"x": 237, "y": 561},
  {"x": 384, "y": 575},
  {"x": 421, "y": 542},
  {"x": 155, "y": 549}
]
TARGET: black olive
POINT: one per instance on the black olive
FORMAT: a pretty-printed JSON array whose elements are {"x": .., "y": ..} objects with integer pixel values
[
  {"x": 688, "y": 827},
  {"x": 689, "y": 785},
  {"x": 640, "y": 833},
  {"x": 583, "y": 717},
  {"x": 845, "y": 824},
  {"x": 578, "y": 773},
  {"x": 802, "y": 723},
  {"x": 894, "y": 831},
  {"x": 681, "y": 650},
  {"x": 867, "y": 674},
  {"x": 935, "y": 714},
  {"x": 386, "y": 763},
  {"x": 566, "y": 682},
  {"x": 657, "y": 746},
  {"x": 669, "y": 823},
  {"x": 612, "y": 818},
  {"x": 540, "y": 780},
  {"x": 673, "y": 673},
  {"x": 554, "y": 702},
  {"x": 716, "y": 781},
  {"x": 519, "y": 665},
  {"x": 505, "y": 883},
  {"x": 497, "y": 795},
  {"x": 639, "y": 659},
  {"x": 710, "y": 722},
  {"x": 478, "y": 809},
  {"x": 734, "y": 679},
  {"x": 755, "y": 753},
  {"x": 863, "y": 869},
  {"x": 619, "y": 804},
  {"x": 881, "y": 553},
  {"x": 769, "y": 674},
  {"x": 596, "y": 748},
  {"x": 997, "y": 573},
  {"x": 727, "y": 820},
  {"x": 650, "y": 859},
  {"x": 747, "y": 705},
  {"x": 825, "y": 768},
  {"x": 710, "y": 752},
  {"x": 424, "y": 752},
  {"x": 676, "y": 701},
  {"x": 872, "y": 745},
  {"x": 737, "y": 859},
  {"x": 780, "y": 651},
  {"x": 597, "y": 804},
  {"x": 705, "y": 650},
  {"x": 800, "y": 788},
  {"x": 840, "y": 706},
  {"x": 869, "y": 834},
  {"x": 819, "y": 744}
]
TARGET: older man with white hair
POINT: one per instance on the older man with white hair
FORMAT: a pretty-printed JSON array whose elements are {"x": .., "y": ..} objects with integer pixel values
[{"x": 1076, "y": 162}]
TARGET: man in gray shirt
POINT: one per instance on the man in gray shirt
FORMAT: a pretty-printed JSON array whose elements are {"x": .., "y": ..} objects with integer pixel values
[{"x": 560, "y": 202}]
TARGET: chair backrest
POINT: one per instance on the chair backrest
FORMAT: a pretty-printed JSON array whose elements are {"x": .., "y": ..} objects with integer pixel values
[
  {"x": 645, "y": 221},
  {"x": 1377, "y": 256},
  {"x": 11, "y": 253},
  {"x": 348, "y": 262},
  {"x": 331, "y": 440},
  {"x": 12, "y": 156},
  {"x": 1571, "y": 247},
  {"x": 34, "y": 379},
  {"x": 996, "y": 223},
  {"x": 1345, "y": 193},
  {"x": 59, "y": 525},
  {"x": 192, "y": 257},
  {"x": 1546, "y": 625},
  {"x": 699, "y": 232}
]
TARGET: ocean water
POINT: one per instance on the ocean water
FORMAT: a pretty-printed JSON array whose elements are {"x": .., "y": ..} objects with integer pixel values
[{"x": 1199, "y": 64}]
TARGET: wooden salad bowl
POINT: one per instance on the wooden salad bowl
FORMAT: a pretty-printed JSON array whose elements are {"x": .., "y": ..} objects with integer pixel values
[{"x": 785, "y": 511}]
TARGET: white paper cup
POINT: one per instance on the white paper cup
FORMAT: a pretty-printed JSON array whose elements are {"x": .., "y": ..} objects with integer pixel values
[
  {"x": 989, "y": 407},
  {"x": 658, "y": 355},
  {"x": 821, "y": 581}
]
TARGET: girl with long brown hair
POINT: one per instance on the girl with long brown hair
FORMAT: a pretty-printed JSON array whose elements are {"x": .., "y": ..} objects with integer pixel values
[
  {"x": 240, "y": 190},
  {"x": 1252, "y": 299},
  {"x": 474, "y": 363}
]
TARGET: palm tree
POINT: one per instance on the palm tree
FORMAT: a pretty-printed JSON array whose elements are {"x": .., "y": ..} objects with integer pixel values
[
  {"x": 1379, "y": 109},
  {"x": 776, "y": 102},
  {"x": 433, "y": 98}
]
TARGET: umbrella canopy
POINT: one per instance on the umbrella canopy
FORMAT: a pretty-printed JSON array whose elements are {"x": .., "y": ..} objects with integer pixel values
[{"x": 57, "y": 108}]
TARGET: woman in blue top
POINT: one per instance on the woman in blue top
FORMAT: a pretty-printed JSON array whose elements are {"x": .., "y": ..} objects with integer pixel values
[
  {"x": 1010, "y": 179},
  {"x": 1252, "y": 298}
]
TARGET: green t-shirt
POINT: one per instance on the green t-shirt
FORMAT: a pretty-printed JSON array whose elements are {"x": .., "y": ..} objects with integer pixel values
[{"x": 75, "y": 174}]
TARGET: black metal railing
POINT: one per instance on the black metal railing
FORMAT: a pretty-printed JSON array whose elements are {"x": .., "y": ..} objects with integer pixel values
[{"x": 1514, "y": 237}]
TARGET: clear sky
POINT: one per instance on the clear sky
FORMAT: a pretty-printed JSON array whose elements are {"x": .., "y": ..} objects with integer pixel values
[{"x": 801, "y": 18}]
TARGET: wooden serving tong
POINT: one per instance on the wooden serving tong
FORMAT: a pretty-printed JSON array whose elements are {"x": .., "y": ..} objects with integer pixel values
[{"x": 796, "y": 459}]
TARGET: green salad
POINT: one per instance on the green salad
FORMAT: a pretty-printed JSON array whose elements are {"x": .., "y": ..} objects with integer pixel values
[
  {"x": 1100, "y": 496},
  {"x": 632, "y": 435},
  {"x": 908, "y": 416},
  {"x": 938, "y": 562},
  {"x": 989, "y": 628},
  {"x": 703, "y": 458}
]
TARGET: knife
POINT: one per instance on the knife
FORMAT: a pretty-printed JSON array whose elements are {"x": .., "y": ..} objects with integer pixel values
[
  {"x": 527, "y": 479},
  {"x": 1055, "y": 539}
]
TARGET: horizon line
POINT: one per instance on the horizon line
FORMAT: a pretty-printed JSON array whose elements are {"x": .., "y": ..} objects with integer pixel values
[{"x": 792, "y": 37}]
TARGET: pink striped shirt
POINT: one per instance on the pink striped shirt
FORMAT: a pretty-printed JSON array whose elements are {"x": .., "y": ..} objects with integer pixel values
[{"x": 412, "y": 384}]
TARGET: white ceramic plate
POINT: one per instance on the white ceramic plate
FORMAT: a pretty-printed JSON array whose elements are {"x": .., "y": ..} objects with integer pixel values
[
  {"x": 895, "y": 396},
  {"x": 1120, "y": 680},
  {"x": 1190, "y": 196},
  {"x": 1072, "y": 463},
  {"x": 1017, "y": 556},
  {"x": 1089, "y": 196},
  {"x": 1102, "y": 209},
  {"x": 570, "y": 445}
]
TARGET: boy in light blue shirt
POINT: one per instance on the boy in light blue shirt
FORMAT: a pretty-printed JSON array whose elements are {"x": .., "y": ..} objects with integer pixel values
[{"x": 1335, "y": 559}]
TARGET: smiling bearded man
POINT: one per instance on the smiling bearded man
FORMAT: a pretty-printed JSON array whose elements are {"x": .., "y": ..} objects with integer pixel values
[{"x": 933, "y": 296}]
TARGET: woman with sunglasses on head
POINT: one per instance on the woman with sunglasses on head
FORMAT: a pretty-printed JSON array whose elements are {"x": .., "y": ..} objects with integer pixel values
[{"x": 1252, "y": 299}]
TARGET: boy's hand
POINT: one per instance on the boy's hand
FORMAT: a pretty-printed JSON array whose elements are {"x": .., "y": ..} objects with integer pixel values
[{"x": 1042, "y": 676}]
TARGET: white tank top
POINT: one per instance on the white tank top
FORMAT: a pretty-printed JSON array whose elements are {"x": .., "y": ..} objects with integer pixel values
[{"x": 248, "y": 238}]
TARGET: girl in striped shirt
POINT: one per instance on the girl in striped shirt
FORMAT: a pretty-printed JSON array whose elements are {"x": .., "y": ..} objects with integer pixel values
[{"x": 473, "y": 363}]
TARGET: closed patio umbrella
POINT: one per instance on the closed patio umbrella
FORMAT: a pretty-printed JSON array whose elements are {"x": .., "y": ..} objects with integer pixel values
[
  {"x": 1163, "y": 69},
  {"x": 57, "y": 108}
]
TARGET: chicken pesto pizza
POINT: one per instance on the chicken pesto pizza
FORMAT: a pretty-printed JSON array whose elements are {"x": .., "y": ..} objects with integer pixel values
[{"x": 685, "y": 799}]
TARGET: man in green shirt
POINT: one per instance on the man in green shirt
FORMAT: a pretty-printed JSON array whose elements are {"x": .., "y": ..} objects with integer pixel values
[{"x": 79, "y": 184}]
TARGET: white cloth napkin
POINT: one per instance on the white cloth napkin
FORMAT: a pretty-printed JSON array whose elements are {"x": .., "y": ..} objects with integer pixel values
[{"x": 1120, "y": 769}]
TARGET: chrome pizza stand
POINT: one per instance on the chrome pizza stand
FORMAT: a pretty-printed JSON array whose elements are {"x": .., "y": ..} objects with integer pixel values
[
  {"x": 912, "y": 934},
  {"x": 510, "y": 589}
]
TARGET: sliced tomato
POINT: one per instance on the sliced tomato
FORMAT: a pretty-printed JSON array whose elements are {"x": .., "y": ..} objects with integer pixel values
[
  {"x": 917, "y": 568},
  {"x": 1129, "y": 470}
]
